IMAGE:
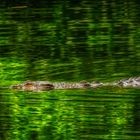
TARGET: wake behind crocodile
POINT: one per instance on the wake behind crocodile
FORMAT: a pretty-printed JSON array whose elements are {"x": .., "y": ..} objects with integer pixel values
[{"x": 47, "y": 85}]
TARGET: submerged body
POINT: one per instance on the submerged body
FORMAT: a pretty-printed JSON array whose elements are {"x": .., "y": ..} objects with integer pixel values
[{"x": 46, "y": 85}]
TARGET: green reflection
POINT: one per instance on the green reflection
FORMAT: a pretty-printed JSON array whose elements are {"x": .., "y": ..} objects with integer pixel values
[
  {"x": 72, "y": 114},
  {"x": 69, "y": 41},
  {"x": 91, "y": 40}
]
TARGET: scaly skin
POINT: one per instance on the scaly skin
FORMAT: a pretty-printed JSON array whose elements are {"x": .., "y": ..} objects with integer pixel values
[{"x": 46, "y": 85}]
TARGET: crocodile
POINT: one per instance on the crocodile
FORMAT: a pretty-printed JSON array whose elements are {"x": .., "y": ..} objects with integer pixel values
[{"x": 47, "y": 85}]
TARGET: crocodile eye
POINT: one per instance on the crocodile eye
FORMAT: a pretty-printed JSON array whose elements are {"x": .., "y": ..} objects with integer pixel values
[
  {"x": 47, "y": 86},
  {"x": 86, "y": 85}
]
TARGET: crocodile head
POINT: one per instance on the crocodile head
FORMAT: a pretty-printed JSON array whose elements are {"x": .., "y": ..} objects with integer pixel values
[
  {"x": 33, "y": 86},
  {"x": 25, "y": 86}
]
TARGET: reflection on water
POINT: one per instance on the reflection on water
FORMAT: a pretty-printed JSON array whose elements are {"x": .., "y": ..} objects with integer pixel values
[
  {"x": 69, "y": 41},
  {"x": 64, "y": 41},
  {"x": 72, "y": 114}
]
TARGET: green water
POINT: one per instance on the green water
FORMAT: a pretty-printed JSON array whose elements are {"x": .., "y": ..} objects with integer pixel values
[
  {"x": 89, "y": 114},
  {"x": 69, "y": 41}
]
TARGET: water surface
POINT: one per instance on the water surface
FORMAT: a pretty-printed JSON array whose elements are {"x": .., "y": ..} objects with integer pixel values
[{"x": 69, "y": 41}]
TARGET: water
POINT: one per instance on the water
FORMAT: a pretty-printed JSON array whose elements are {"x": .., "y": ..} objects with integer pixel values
[
  {"x": 66, "y": 114},
  {"x": 69, "y": 41}
]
